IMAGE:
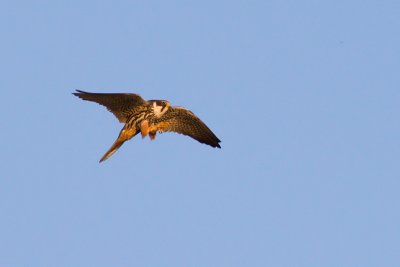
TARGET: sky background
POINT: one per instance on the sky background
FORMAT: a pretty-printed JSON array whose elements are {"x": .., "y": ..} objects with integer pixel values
[{"x": 303, "y": 94}]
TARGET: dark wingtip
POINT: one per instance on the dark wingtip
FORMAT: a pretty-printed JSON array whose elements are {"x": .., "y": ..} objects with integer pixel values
[
  {"x": 77, "y": 92},
  {"x": 214, "y": 144},
  {"x": 216, "y": 141}
]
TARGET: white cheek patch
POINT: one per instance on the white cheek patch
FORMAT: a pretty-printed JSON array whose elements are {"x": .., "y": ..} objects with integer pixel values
[{"x": 157, "y": 110}]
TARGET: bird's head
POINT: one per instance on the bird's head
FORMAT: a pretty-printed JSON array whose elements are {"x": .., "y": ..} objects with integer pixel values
[{"x": 160, "y": 107}]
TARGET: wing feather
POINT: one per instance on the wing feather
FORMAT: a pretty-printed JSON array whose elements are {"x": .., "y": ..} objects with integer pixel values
[
  {"x": 183, "y": 121},
  {"x": 117, "y": 103}
]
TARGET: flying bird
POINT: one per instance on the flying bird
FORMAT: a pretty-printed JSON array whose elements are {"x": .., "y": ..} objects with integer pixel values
[{"x": 148, "y": 118}]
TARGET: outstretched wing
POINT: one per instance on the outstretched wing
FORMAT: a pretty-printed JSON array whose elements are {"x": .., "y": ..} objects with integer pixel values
[
  {"x": 183, "y": 121},
  {"x": 120, "y": 105}
]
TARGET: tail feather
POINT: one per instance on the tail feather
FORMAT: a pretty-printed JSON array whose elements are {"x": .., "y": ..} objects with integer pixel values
[
  {"x": 117, "y": 144},
  {"x": 125, "y": 134}
]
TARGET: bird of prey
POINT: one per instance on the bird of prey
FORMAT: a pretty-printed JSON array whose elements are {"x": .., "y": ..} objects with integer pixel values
[{"x": 148, "y": 118}]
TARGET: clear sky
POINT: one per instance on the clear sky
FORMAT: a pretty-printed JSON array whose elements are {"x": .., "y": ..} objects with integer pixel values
[{"x": 304, "y": 95}]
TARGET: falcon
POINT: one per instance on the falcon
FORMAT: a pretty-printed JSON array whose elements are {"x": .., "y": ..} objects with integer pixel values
[{"x": 149, "y": 118}]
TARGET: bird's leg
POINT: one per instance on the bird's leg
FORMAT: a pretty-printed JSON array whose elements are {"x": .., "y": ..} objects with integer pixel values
[
  {"x": 144, "y": 128},
  {"x": 147, "y": 129}
]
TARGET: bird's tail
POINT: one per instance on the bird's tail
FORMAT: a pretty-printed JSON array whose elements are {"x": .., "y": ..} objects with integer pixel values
[
  {"x": 124, "y": 135},
  {"x": 117, "y": 144}
]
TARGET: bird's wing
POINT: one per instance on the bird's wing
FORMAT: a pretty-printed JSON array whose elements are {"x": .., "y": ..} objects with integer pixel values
[
  {"x": 183, "y": 121},
  {"x": 119, "y": 104}
]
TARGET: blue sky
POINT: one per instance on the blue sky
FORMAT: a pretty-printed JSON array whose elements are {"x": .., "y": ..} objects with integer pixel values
[{"x": 303, "y": 94}]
